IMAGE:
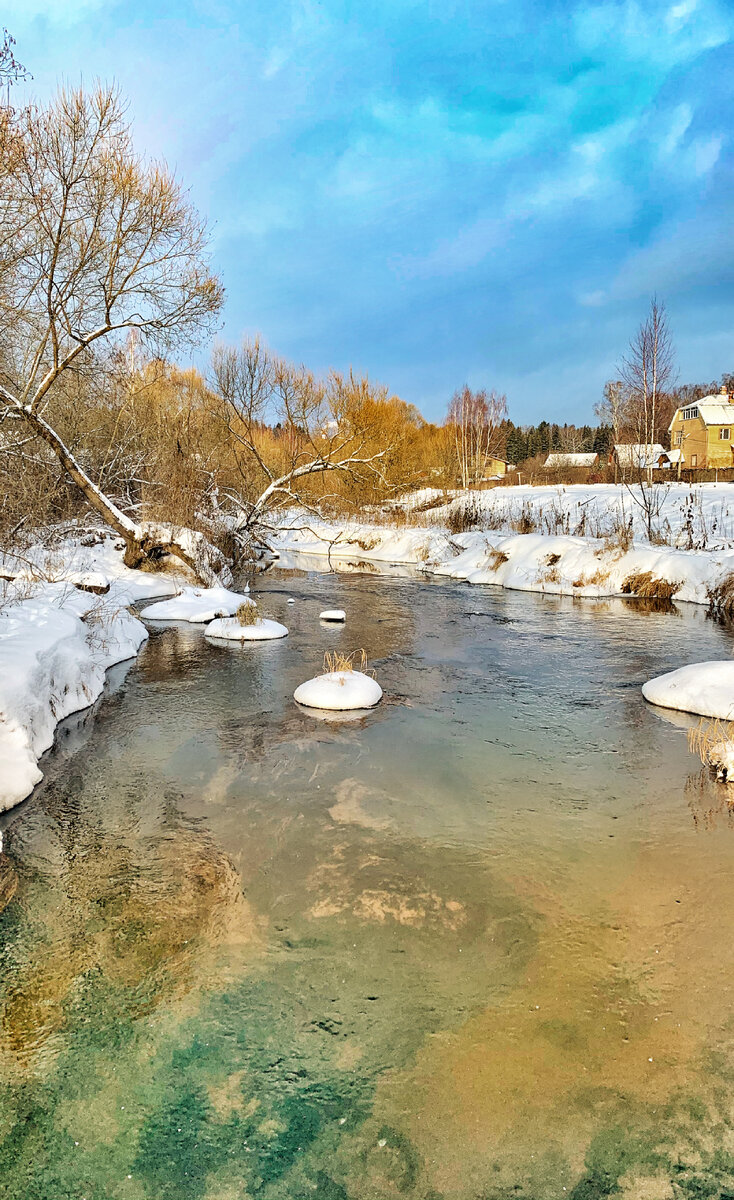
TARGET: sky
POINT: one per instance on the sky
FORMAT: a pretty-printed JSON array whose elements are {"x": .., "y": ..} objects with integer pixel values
[{"x": 437, "y": 193}]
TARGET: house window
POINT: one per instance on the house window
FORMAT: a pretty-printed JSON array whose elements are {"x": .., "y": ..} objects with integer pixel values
[
  {"x": 724, "y": 435},
  {"x": 678, "y": 440},
  {"x": 690, "y": 413},
  {"x": 694, "y": 460}
]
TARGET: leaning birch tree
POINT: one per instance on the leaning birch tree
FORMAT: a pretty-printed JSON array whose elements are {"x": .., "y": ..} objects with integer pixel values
[{"x": 94, "y": 242}]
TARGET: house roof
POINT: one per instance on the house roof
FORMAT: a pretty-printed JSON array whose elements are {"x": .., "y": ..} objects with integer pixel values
[
  {"x": 674, "y": 456},
  {"x": 713, "y": 410},
  {"x": 638, "y": 454},
  {"x": 571, "y": 460}
]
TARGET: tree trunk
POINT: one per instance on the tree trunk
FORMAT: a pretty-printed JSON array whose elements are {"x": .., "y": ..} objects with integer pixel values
[{"x": 144, "y": 544}]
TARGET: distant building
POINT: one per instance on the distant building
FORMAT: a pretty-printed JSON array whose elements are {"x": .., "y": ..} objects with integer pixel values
[
  {"x": 495, "y": 468},
  {"x": 702, "y": 432},
  {"x": 635, "y": 456},
  {"x": 562, "y": 462}
]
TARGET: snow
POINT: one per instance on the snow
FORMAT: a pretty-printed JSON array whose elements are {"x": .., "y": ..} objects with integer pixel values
[
  {"x": 54, "y": 650},
  {"x": 721, "y": 758},
  {"x": 333, "y": 614},
  {"x": 197, "y": 605},
  {"x": 339, "y": 691},
  {"x": 230, "y": 629},
  {"x": 577, "y": 545},
  {"x": 57, "y": 642},
  {"x": 706, "y": 689}
]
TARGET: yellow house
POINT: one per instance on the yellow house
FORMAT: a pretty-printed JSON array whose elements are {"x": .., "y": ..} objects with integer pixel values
[{"x": 704, "y": 432}]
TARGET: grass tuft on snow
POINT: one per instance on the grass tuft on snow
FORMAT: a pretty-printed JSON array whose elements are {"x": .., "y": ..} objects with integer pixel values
[
  {"x": 646, "y": 586},
  {"x": 248, "y": 613},
  {"x": 335, "y": 661}
]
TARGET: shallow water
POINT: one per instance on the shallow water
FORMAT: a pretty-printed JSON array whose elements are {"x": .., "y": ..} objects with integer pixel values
[{"x": 477, "y": 943}]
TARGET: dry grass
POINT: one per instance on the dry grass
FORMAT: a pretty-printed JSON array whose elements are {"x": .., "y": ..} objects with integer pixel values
[
  {"x": 335, "y": 660},
  {"x": 248, "y": 613},
  {"x": 721, "y": 597},
  {"x": 463, "y": 517},
  {"x": 525, "y": 523},
  {"x": 552, "y": 575},
  {"x": 552, "y": 559},
  {"x": 618, "y": 540},
  {"x": 497, "y": 558},
  {"x": 646, "y": 586},
  {"x": 596, "y": 580},
  {"x": 706, "y": 738}
]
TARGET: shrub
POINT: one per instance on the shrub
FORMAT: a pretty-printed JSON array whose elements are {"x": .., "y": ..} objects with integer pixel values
[{"x": 497, "y": 558}]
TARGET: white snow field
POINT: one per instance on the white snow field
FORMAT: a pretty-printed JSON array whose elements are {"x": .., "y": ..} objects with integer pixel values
[
  {"x": 339, "y": 691},
  {"x": 333, "y": 614},
  {"x": 706, "y": 689},
  {"x": 229, "y": 629},
  {"x": 700, "y": 516},
  {"x": 197, "y": 605}
]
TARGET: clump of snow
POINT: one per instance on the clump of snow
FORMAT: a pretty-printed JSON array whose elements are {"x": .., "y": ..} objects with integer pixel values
[
  {"x": 339, "y": 690},
  {"x": 721, "y": 758},
  {"x": 333, "y": 614},
  {"x": 197, "y": 605},
  {"x": 54, "y": 650},
  {"x": 290, "y": 600},
  {"x": 706, "y": 689},
  {"x": 231, "y": 630}
]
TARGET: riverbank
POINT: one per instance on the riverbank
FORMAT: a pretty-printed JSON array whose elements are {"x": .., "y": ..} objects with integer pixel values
[
  {"x": 560, "y": 564},
  {"x": 64, "y": 622}
]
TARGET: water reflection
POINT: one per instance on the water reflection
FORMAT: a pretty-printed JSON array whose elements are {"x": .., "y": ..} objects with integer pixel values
[{"x": 474, "y": 943}]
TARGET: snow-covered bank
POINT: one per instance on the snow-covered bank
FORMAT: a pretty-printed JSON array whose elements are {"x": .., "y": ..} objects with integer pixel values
[
  {"x": 57, "y": 639},
  {"x": 559, "y": 564}
]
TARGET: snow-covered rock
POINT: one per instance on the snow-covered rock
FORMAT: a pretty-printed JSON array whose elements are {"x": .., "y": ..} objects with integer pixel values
[
  {"x": 231, "y": 630},
  {"x": 333, "y": 614},
  {"x": 706, "y": 689},
  {"x": 339, "y": 690},
  {"x": 197, "y": 605}
]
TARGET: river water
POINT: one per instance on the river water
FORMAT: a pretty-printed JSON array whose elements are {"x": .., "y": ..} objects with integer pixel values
[{"x": 476, "y": 944}]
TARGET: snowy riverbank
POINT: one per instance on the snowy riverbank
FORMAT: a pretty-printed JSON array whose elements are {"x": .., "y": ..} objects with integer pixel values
[
  {"x": 536, "y": 562},
  {"x": 57, "y": 640}
]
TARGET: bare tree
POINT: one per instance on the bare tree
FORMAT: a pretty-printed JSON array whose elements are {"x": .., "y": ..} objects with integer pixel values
[
  {"x": 94, "y": 242},
  {"x": 474, "y": 419},
  {"x": 284, "y": 427},
  {"x": 647, "y": 373},
  {"x": 11, "y": 71}
]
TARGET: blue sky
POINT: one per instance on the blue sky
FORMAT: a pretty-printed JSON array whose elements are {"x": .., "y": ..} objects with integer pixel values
[{"x": 438, "y": 192}]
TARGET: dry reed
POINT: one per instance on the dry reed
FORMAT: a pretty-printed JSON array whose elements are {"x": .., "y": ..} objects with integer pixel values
[{"x": 646, "y": 586}]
